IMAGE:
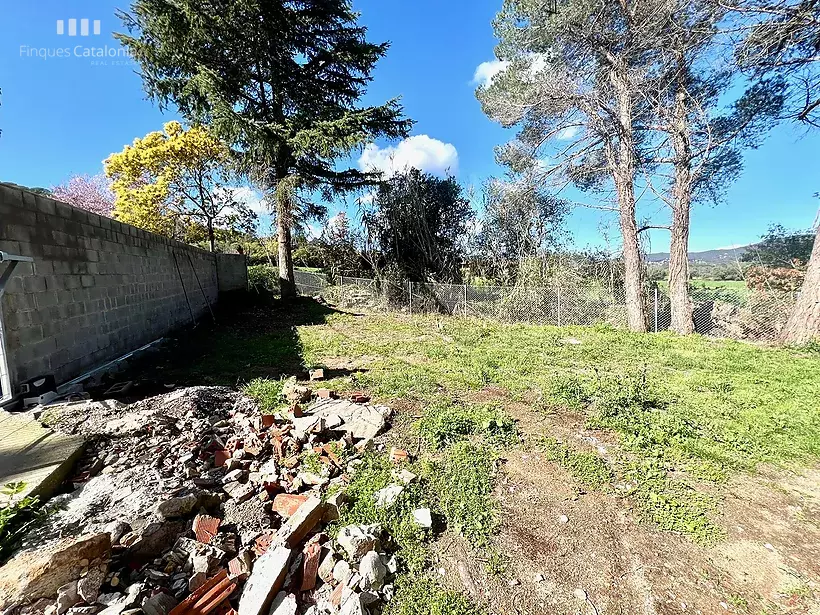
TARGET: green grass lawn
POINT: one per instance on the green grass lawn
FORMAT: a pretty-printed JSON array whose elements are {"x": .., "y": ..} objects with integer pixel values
[{"x": 688, "y": 412}]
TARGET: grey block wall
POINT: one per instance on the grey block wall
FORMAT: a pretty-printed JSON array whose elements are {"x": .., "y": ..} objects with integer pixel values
[{"x": 97, "y": 288}]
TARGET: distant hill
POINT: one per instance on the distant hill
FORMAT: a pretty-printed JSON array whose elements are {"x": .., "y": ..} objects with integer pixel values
[{"x": 711, "y": 257}]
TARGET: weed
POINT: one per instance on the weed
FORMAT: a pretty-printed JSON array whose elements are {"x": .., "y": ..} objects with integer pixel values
[
  {"x": 311, "y": 462},
  {"x": 671, "y": 504},
  {"x": 569, "y": 391},
  {"x": 496, "y": 563},
  {"x": 16, "y": 516},
  {"x": 587, "y": 468},
  {"x": 424, "y": 596},
  {"x": 463, "y": 480},
  {"x": 267, "y": 393},
  {"x": 738, "y": 601},
  {"x": 446, "y": 422}
]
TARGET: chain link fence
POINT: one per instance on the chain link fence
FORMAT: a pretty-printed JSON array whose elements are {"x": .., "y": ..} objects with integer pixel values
[{"x": 736, "y": 313}]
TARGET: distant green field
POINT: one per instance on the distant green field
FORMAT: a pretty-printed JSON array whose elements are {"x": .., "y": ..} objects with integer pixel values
[{"x": 733, "y": 284}]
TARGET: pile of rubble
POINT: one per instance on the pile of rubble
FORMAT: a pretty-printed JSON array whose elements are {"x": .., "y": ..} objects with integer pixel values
[{"x": 192, "y": 503}]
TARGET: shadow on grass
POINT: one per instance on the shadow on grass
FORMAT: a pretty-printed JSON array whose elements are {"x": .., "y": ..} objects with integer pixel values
[{"x": 253, "y": 337}]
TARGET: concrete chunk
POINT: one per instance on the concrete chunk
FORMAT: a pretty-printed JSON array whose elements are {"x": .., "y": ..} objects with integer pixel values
[
  {"x": 299, "y": 525},
  {"x": 265, "y": 581}
]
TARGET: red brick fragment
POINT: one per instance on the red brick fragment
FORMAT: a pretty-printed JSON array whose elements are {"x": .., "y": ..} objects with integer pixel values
[
  {"x": 310, "y": 566},
  {"x": 325, "y": 394},
  {"x": 206, "y": 527},
  {"x": 268, "y": 420},
  {"x": 336, "y": 596},
  {"x": 399, "y": 455},
  {"x": 262, "y": 544},
  {"x": 233, "y": 444},
  {"x": 208, "y": 597},
  {"x": 220, "y": 457},
  {"x": 317, "y": 374},
  {"x": 359, "y": 397},
  {"x": 286, "y": 504}
]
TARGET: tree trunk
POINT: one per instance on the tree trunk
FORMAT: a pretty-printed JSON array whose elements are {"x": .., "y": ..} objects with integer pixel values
[
  {"x": 622, "y": 163},
  {"x": 287, "y": 284},
  {"x": 804, "y": 324},
  {"x": 211, "y": 241},
  {"x": 680, "y": 302},
  {"x": 633, "y": 267}
]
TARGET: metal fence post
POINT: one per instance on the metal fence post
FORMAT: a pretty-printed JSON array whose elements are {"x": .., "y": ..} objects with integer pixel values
[
  {"x": 410, "y": 293},
  {"x": 465, "y": 301},
  {"x": 656, "y": 309},
  {"x": 558, "y": 289}
]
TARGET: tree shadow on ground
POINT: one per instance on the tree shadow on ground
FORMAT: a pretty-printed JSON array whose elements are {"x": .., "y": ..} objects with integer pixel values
[{"x": 252, "y": 337}]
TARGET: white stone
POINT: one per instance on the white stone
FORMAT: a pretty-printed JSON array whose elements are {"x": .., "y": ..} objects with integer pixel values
[
  {"x": 423, "y": 517},
  {"x": 372, "y": 572},
  {"x": 357, "y": 540},
  {"x": 387, "y": 497}
]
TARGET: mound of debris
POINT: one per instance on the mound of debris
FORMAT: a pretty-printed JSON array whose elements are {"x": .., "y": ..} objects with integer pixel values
[{"x": 192, "y": 502}]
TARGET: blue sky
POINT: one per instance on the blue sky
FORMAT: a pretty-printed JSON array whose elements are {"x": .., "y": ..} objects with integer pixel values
[{"x": 64, "y": 115}]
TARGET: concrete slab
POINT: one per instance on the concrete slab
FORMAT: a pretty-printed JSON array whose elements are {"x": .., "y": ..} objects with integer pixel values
[{"x": 35, "y": 455}]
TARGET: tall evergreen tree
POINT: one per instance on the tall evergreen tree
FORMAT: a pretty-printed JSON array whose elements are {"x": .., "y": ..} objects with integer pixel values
[
  {"x": 278, "y": 80},
  {"x": 573, "y": 84}
]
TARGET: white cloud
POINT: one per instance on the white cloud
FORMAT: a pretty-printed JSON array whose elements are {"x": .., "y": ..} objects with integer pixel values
[
  {"x": 252, "y": 198},
  {"x": 420, "y": 152},
  {"x": 485, "y": 71}
]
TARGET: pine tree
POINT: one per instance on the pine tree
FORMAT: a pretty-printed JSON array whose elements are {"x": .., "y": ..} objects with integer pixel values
[{"x": 279, "y": 81}]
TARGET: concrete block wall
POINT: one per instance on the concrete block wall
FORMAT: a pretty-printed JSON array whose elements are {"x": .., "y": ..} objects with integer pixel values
[
  {"x": 97, "y": 288},
  {"x": 231, "y": 272}
]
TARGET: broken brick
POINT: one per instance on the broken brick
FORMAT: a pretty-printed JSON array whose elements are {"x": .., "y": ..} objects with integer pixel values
[
  {"x": 325, "y": 394},
  {"x": 208, "y": 597},
  {"x": 220, "y": 457},
  {"x": 240, "y": 566},
  {"x": 296, "y": 411},
  {"x": 317, "y": 374},
  {"x": 359, "y": 397},
  {"x": 287, "y": 504},
  {"x": 262, "y": 544},
  {"x": 336, "y": 596},
  {"x": 399, "y": 455},
  {"x": 206, "y": 527},
  {"x": 268, "y": 420},
  {"x": 310, "y": 566}
]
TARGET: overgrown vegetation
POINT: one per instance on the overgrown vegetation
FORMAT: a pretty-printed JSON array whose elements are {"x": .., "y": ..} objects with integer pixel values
[
  {"x": 446, "y": 422},
  {"x": 587, "y": 468},
  {"x": 685, "y": 409},
  {"x": 424, "y": 596},
  {"x": 267, "y": 393},
  {"x": 17, "y": 515}
]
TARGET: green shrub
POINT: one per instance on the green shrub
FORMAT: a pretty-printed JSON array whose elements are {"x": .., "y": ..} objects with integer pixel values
[{"x": 263, "y": 278}]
